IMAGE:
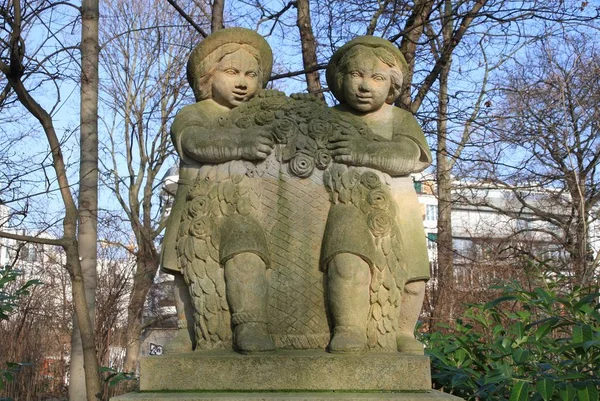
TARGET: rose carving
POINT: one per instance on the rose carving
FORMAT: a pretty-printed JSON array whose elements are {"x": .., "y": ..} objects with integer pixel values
[
  {"x": 380, "y": 223},
  {"x": 284, "y": 129},
  {"x": 353, "y": 177},
  {"x": 378, "y": 199},
  {"x": 201, "y": 188},
  {"x": 319, "y": 129},
  {"x": 264, "y": 117},
  {"x": 273, "y": 103},
  {"x": 198, "y": 206},
  {"x": 322, "y": 159},
  {"x": 200, "y": 227},
  {"x": 370, "y": 180},
  {"x": 302, "y": 165},
  {"x": 244, "y": 122}
]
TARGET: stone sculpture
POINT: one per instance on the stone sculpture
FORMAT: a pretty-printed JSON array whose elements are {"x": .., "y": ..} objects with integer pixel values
[
  {"x": 374, "y": 246},
  {"x": 226, "y": 69},
  {"x": 295, "y": 225}
]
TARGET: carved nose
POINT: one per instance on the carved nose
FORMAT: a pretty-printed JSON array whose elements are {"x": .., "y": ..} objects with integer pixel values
[
  {"x": 364, "y": 86},
  {"x": 241, "y": 83}
]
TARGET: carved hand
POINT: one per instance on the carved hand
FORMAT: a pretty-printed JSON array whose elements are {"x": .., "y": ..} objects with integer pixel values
[
  {"x": 397, "y": 157},
  {"x": 255, "y": 145},
  {"x": 349, "y": 148}
]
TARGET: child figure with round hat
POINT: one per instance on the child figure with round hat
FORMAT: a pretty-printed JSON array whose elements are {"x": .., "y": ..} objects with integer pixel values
[
  {"x": 226, "y": 69},
  {"x": 365, "y": 75}
]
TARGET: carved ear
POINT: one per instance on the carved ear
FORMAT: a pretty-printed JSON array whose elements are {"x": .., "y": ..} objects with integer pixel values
[{"x": 392, "y": 96}]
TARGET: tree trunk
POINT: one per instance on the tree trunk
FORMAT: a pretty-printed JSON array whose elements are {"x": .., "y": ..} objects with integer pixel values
[
  {"x": 92, "y": 390},
  {"x": 216, "y": 21},
  {"x": 412, "y": 32},
  {"x": 146, "y": 268},
  {"x": 309, "y": 48},
  {"x": 445, "y": 280},
  {"x": 80, "y": 378}
]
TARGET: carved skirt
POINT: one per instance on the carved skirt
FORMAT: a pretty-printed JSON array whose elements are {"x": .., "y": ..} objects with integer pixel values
[{"x": 296, "y": 225}]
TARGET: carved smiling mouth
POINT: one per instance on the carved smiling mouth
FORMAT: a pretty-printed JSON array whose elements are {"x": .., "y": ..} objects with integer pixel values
[{"x": 240, "y": 95}]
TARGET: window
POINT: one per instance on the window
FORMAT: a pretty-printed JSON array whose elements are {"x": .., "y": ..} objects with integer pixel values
[
  {"x": 418, "y": 186},
  {"x": 432, "y": 241},
  {"x": 431, "y": 213}
]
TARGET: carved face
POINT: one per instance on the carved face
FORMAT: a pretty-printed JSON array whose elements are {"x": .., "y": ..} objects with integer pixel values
[
  {"x": 235, "y": 79},
  {"x": 367, "y": 84}
]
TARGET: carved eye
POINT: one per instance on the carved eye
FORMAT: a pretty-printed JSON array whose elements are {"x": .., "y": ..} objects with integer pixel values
[
  {"x": 378, "y": 77},
  {"x": 230, "y": 71},
  {"x": 355, "y": 74},
  {"x": 252, "y": 74}
]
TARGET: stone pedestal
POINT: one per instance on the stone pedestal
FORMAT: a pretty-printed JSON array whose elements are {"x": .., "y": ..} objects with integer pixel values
[
  {"x": 291, "y": 396},
  {"x": 285, "y": 375}
]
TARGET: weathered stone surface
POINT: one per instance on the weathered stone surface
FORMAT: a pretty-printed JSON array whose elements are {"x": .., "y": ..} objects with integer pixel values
[
  {"x": 292, "y": 218},
  {"x": 285, "y": 370},
  {"x": 295, "y": 396}
]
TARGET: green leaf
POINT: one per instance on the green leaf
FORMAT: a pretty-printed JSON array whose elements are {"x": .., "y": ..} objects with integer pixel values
[
  {"x": 589, "y": 393},
  {"x": 520, "y": 355},
  {"x": 545, "y": 328},
  {"x": 572, "y": 376},
  {"x": 460, "y": 354},
  {"x": 499, "y": 300},
  {"x": 567, "y": 393},
  {"x": 582, "y": 333},
  {"x": 520, "y": 391},
  {"x": 591, "y": 344},
  {"x": 544, "y": 295},
  {"x": 546, "y": 388}
]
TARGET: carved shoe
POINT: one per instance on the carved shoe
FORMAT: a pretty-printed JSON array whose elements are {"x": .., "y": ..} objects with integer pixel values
[
  {"x": 407, "y": 344},
  {"x": 252, "y": 338},
  {"x": 348, "y": 339}
]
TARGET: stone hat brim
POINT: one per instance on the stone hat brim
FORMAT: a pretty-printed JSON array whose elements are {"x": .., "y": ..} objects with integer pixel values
[
  {"x": 222, "y": 37},
  {"x": 368, "y": 41}
]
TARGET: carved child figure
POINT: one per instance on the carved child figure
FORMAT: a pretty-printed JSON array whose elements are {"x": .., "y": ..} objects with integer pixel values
[
  {"x": 224, "y": 70},
  {"x": 365, "y": 75}
]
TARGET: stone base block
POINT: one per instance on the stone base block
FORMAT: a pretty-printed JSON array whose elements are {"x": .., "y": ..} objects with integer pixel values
[
  {"x": 291, "y": 396},
  {"x": 285, "y": 370}
]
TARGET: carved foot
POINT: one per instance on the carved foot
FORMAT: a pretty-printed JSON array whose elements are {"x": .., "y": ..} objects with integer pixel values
[
  {"x": 252, "y": 338},
  {"x": 407, "y": 344},
  {"x": 180, "y": 343},
  {"x": 348, "y": 339}
]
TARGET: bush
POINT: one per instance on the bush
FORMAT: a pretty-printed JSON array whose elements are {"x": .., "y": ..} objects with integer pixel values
[
  {"x": 524, "y": 345},
  {"x": 10, "y": 293}
]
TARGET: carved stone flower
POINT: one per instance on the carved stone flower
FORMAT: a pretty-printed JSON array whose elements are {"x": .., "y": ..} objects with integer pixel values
[
  {"x": 273, "y": 103},
  {"x": 284, "y": 129},
  {"x": 322, "y": 142},
  {"x": 304, "y": 110},
  {"x": 201, "y": 227},
  {"x": 244, "y": 122},
  {"x": 198, "y": 206},
  {"x": 264, "y": 117},
  {"x": 370, "y": 180},
  {"x": 302, "y": 165},
  {"x": 319, "y": 129},
  {"x": 200, "y": 188},
  {"x": 322, "y": 159},
  {"x": 379, "y": 199},
  {"x": 353, "y": 177},
  {"x": 380, "y": 223}
]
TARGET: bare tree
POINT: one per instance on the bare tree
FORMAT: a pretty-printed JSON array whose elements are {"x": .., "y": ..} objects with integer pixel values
[
  {"x": 88, "y": 192},
  {"x": 17, "y": 65},
  {"x": 309, "y": 48},
  {"x": 144, "y": 57},
  {"x": 542, "y": 148}
]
